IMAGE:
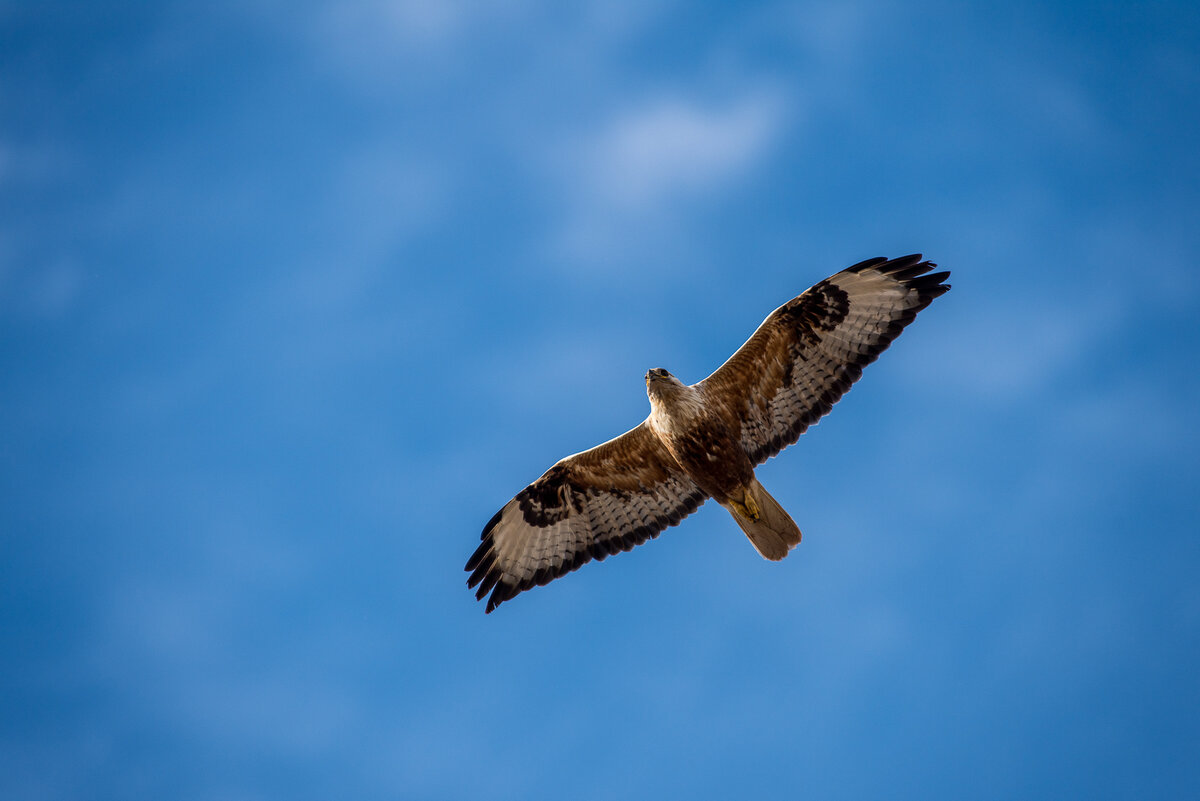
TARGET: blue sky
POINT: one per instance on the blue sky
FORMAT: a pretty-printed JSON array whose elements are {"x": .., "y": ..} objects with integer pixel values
[{"x": 294, "y": 296}]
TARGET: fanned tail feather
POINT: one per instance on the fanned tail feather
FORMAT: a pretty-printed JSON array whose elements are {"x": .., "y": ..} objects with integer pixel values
[{"x": 774, "y": 533}]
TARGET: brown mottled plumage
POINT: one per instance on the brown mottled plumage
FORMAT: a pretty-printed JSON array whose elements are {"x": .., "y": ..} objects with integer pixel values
[{"x": 703, "y": 441}]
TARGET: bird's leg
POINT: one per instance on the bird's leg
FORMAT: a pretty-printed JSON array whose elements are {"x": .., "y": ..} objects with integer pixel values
[
  {"x": 746, "y": 507},
  {"x": 752, "y": 506}
]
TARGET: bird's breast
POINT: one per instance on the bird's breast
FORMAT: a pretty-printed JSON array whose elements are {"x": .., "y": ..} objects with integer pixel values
[{"x": 706, "y": 450}]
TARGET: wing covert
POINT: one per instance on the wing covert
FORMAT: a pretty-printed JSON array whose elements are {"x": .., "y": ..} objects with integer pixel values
[
  {"x": 587, "y": 506},
  {"x": 808, "y": 352}
]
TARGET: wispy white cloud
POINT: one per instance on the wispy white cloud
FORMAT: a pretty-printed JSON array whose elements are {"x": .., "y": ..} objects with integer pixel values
[
  {"x": 672, "y": 147},
  {"x": 410, "y": 23},
  {"x": 627, "y": 183},
  {"x": 56, "y": 289},
  {"x": 378, "y": 44},
  {"x": 377, "y": 197},
  {"x": 378, "y": 32},
  {"x": 1004, "y": 352},
  {"x": 833, "y": 32},
  {"x": 38, "y": 279},
  {"x": 1132, "y": 414},
  {"x": 45, "y": 291},
  {"x": 620, "y": 171}
]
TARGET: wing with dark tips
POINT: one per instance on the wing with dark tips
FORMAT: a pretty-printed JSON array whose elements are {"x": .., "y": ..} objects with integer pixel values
[
  {"x": 590, "y": 505},
  {"x": 808, "y": 352}
]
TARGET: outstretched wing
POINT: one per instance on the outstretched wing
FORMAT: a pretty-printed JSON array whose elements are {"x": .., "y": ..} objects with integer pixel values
[
  {"x": 589, "y": 505},
  {"x": 808, "y": 352}
]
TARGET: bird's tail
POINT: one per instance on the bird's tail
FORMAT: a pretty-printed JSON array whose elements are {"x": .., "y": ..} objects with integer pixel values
[{"x": 772, "y": 532}]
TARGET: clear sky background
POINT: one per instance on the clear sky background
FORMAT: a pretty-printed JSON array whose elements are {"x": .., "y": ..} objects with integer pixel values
[{"x": 295, "y": 295}]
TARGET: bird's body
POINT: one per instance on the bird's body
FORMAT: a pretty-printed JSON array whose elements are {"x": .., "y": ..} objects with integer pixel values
[
  {"x": 703, "y": 444},
  {"x": 707, "y": 448},
  {"x": 704, "y": 440}
]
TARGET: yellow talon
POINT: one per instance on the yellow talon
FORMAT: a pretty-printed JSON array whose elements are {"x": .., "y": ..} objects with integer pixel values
[{"x": 749, "y": 509}]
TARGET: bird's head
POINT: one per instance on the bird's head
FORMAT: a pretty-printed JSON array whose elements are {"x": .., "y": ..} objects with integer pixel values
[{"x": 659, "y": 381}]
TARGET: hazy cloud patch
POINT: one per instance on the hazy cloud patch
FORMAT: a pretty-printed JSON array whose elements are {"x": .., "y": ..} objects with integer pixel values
[
  {"x": 1004, "y": 353},
  {"x": 674, "y": 147},
  {"x": 46, "y": 291},
  {"x": 632, "y": 180}
]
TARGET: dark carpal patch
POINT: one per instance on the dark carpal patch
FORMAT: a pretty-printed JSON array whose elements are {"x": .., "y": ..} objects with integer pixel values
[
  {"x": 489, "y": 575},
  {"x": 814, "y": 380},
  {"x": 822, "y": 308},
  {"x": 551, "y": 498}
]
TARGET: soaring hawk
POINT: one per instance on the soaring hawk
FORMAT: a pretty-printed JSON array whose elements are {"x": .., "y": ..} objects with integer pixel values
[{"x": 704, "y": 441}]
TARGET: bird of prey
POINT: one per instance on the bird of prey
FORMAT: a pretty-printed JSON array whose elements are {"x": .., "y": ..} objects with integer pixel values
[{"x": 704, "y": 441}]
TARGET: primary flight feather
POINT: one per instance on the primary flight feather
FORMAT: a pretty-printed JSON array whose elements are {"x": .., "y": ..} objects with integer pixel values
[{"x": 704, "y": 441}]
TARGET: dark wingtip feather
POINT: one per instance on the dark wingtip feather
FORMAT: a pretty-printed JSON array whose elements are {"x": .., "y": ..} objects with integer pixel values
[
  {"x": 503, "y": 592},
  {"x": 491, "y": 524},
  {"x": 901, "y": 264},
  {"x": 477, "y": 557},
  {"x": 482, "y": 568},
  {"x": 866, "y": 264},
  {"x": 929, "y": 281},
  {"x": 908, "y": 274},
  {"x": 915, "y": 274},
  {"x": 490, "y": 579},
  {"x": 928, "y": 287}
]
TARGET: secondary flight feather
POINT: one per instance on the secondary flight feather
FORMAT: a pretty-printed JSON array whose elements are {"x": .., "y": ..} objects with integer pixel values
[{"x": 704, "y": 441}]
